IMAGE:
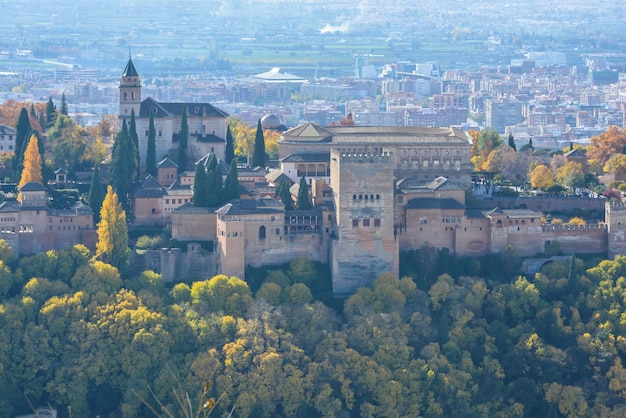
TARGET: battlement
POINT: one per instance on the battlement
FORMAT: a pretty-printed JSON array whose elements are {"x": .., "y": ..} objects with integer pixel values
[
  {"x": 361, "y": 155},
  {"x": 616, "y": 206},
  {"x": 574, "y": 228}
]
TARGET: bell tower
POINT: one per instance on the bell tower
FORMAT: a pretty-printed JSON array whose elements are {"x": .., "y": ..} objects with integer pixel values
[{"x": 130, "y": 90}]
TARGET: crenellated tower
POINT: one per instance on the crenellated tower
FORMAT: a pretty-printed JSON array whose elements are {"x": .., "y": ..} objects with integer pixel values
[
  {"x": 615, "y": 218},
  {"x": 364, "y": 244}
]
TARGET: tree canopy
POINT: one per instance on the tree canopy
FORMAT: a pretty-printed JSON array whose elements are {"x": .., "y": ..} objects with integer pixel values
[{"x": 112, "y": 245}]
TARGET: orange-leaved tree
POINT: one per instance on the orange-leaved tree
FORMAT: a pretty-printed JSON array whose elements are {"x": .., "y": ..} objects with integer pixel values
[
  {"x": 32, "y": 163},
  {"x": 607, "y": 144}
]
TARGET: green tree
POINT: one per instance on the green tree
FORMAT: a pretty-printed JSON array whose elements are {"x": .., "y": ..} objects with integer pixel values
[
  {"x": 96, "y": 194},
  {"x": 123, "y": 166},
  {"x": 67, "y": 144},
  {"x": 304, "y": 200},
  {"x": 231, "y": 184},
  {"x": 283, "y": 193},
  {"x": 258, "y": 155},
  {"x": 229, "y": 152},
  {"x": 63, "y": 108},
  {"x": 512, "y": 142},
  {"x": 132, "y": 131},
  {"x": 214, "y": 181},
  {"x": 112, "y": 245},
  {"x": 183, "y": 143},
  {"x": 51, "y": 114},
  {"x": 571, "y": 175},
  {"x": 151, "y": 162},
  {"x": 201, "y": 187},
  {"x": 22, "y": 134}
]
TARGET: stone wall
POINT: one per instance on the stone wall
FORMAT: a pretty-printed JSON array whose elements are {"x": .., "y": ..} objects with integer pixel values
[
  {"x": 177, "y": 265},
  {"x": 542, "y": 203}
]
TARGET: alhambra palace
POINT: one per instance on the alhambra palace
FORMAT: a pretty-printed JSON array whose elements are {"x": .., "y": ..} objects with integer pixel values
[{"x": 376, "y": 192}]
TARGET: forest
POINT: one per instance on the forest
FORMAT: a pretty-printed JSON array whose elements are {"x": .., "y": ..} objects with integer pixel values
[{"x": 451, "y": 337}]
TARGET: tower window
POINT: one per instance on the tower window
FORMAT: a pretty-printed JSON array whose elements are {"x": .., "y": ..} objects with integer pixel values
[{"x": 262, "y": 232}]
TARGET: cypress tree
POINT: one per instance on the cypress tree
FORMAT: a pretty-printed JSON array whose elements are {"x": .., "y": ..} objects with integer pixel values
[
  {"x": 132, "y": 131},
  {"x": 231, "y": 185},
  {"x": 217, "y": 187},
  {"x": 212, "y": 163},
  {"x": 258, "y": 155},
  {"x": 304, "y": 201},
  {"x": 530, "y": 143},
  {"x": 51, "y": 114},
  {"x": 42, "y": 122},
  {"x": 22, "y": 134},
  {"x": 285, "y": 195},
  {"x": 151, "y": 163},
  {"x": 200, "y": 187},
  {"x": 183, "y": 143},
  {"x": 229, "y": 152},
  {"x": 63, "y": 109},
  {"x": 512, "y": 142},
  {"x": 123, "y": 165},
  {"x": 33, "y": 114},
  {"x": 96, "y": 194},
  {"x": 214, "y": 181}
]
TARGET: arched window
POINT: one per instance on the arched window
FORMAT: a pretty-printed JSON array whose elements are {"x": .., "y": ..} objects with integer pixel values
[
  {"x": 262, "y": 232},
  {"x": 499, "y": 224}
]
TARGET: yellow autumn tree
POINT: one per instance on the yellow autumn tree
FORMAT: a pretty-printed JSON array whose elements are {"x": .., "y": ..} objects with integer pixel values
[
  {"x": 32, "y": 164},
  {"x": 112, "y": 246},
  {"x": 541, "y": 178}
]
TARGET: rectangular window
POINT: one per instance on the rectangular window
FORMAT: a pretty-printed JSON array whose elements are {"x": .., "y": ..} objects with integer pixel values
[
  {"x": 277, "y": 231},
  {"x": 400, "y": 199},
  {"x": 366, "y": 222},
  {"x": 355, "y": 223},
  {"x": 160, "y": 132},
  {"x": 376, "y": 222}
]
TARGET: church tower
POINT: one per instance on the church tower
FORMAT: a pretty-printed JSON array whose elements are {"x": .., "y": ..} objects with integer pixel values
[{"x": 130, "y": 91}]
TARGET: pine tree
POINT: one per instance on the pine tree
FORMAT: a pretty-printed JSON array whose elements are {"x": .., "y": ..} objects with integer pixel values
[
  {"x": 258, "y": 155},
  {"x": 63, "y": 109},
  {"x": 96, "y": 194},
  {"x": 51, "y": 114},
  {"x": 112, "y": 245},
  {"x": 285, "y": 195},
  {"x": 132, "y": 131},
  {"x": 512, "y": 142},
  {"x": 123, "y": 166},
  {"x": 151, "y": 163},
  {"x": 304, "y": 201},
  {"x": 32, "y": 164},
  {"x": 22, "y": 134},
  {"x": 200, "y": 187},
  {"x": 231, "y": 184},
  {"x": 229, "y": 152},
  {"x": 183, "y": 143}
]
